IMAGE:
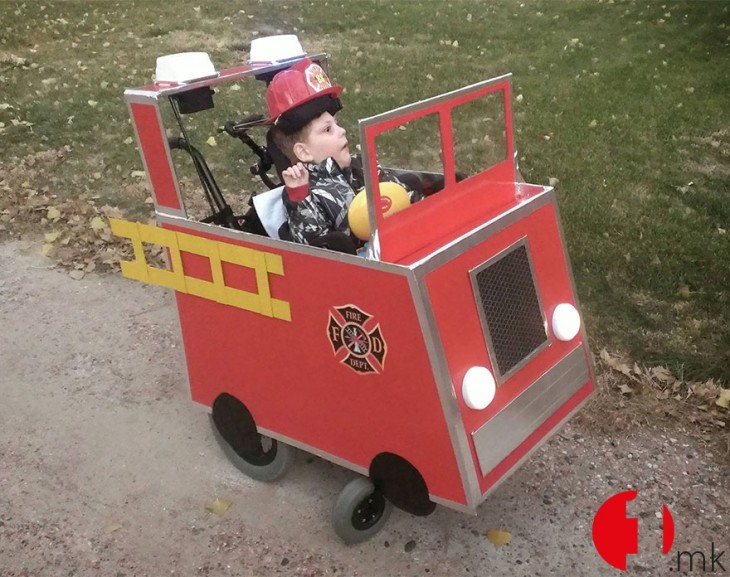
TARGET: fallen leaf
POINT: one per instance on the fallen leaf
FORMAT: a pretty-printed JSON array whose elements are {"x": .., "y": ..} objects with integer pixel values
[
  {"x": 626, "y": 390},
  {"x": 76, "y": 274},
  {"x": 211, "y": 141},
  {"x": 219, "y": 506},
  {"x": 51, "y": 236},
  {"x": 46, "y": 250},
  {"x": 708, "y": 391},
  {"x": 499, "y": 537},
  {"x": 97, "y": 223},
  {"x": 662, "y": 374},
  {"x": 53, "y": 213},
  {"x": 723, "y": 400},
  {"x": 111, "y": 527},
  {"x": 93, "y": 103},
  {"x": 683, "y": 291},
  {"x": 624, "y": 369}
]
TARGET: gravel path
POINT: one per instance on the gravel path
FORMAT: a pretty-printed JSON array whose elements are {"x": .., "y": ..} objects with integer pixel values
[{"x": 106, "y": 466}]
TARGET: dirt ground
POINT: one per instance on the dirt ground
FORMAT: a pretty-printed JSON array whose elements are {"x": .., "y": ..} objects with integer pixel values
[{"x": 106, "y": 466}]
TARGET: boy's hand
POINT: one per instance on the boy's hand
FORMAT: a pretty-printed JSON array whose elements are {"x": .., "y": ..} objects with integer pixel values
[{"x": 295, "y": 176}]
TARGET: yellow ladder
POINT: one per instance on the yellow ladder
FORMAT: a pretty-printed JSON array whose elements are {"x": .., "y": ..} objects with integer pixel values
[{"x": 263, "y": 263}]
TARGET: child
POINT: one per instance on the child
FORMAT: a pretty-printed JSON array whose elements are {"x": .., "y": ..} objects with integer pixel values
[{"x": 323, "y": 177}]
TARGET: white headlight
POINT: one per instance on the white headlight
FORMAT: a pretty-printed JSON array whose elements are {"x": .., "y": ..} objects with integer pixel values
[
  {"x": 478, "y": 388},
  {"x": 566, "y": 322}
]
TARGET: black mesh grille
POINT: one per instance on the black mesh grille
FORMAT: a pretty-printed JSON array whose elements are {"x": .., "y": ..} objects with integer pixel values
[{"x": 511, "y": 308}]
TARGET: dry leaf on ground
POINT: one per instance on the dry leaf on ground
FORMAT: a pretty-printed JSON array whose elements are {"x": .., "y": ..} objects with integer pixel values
[
  {"x": 219, "y": 506},
  {"x": 499, "y": 537},
  {"x": 97, "y": 223},
  {"x": 723, "y": 400},
  {"x": 111, "y": 527}
]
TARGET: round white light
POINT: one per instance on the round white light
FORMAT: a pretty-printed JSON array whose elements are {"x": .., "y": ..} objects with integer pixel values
[
  {"x": 566, "y": 322},
  {"x": 478, "y": 388}
]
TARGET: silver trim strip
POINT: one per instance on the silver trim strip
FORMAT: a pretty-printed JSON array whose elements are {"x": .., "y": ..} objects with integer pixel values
[
  {"x": 534, "y": 449},
  {"x": 524, "y": 414},
  {"x": 447, "y": 395},
  {"x": 366, "y": 122},
  {"x": 353, "y": 467},
  {"x": 583, "y": 332},
  {"x": 460, "y": 507},
  {"x": 431, "y": 101},
  {"x": 484, "y": 231},
  {"x": 132, "y": 96},
  {"x": 154, "y": 102},
  {"x": 167, "y": 217},
  {"x": 170, "y": 213},
  {"x": 224, "y": 76},
  {"x": 314, "y": 451}
]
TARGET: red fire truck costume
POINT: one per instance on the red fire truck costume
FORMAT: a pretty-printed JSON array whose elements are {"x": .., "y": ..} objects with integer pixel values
[{"x": 433, "y": 368}]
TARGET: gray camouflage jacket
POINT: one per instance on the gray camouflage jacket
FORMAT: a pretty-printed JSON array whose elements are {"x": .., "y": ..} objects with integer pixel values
[{"x": 331, "y": 190}]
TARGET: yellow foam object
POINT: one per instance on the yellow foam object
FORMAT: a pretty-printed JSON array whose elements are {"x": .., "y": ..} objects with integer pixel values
[{"x": 393, "y": 198}]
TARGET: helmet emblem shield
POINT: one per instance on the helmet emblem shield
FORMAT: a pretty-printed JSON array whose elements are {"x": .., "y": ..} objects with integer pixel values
[{"x": 316, "y": 78}]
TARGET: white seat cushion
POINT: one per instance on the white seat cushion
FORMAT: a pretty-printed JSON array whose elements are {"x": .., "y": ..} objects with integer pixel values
[{"x": 270, "y": 208}]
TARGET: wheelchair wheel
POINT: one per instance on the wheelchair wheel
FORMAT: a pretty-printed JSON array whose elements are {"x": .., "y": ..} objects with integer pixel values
[
  {"x": 255, "y": 455},
  {"x": 360, "y": 511}
]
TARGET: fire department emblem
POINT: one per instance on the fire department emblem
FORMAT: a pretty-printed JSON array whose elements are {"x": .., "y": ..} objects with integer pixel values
[
  {"x": 316, "y": 78},
  {"x": 356, "y": 342}
]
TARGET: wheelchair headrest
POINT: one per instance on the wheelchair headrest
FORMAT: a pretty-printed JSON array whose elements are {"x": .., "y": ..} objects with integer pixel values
[{"x": 281, "y": 162}]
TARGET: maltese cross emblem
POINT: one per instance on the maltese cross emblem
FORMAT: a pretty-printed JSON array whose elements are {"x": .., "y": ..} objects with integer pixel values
[{"x": 356, "y": 339}]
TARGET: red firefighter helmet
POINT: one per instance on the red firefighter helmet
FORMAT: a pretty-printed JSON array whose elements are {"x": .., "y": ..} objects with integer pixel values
[{"x": 297, "y": 85}]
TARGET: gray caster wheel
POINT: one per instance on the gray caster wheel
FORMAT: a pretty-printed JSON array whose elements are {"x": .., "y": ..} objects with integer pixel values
[
  {"x": 360, "y": 511},
  {"x": 259, "y": 457}
]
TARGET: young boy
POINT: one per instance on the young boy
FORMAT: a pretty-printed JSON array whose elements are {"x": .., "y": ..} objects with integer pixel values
[{"x": 323, "y": 177}]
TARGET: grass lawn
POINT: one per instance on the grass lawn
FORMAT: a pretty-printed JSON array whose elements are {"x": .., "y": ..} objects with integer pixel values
[{"x": 623, "y": 105}]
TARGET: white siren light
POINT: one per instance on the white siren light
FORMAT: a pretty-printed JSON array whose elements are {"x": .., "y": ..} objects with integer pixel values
[
  {"x": 276, "y": 48},
  {"x": 184, "y": 67}
]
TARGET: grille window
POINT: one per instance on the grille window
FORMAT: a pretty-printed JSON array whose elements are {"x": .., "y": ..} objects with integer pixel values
[{"x": 511, "y": 308}]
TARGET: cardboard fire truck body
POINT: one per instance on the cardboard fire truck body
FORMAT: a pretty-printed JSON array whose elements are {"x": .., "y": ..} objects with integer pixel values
[{"x": 351, "y": 358}]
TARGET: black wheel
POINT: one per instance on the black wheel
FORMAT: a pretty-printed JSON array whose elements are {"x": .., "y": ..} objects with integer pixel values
[
  {"x": 257, "y": 456},
  {"x": 360, "y": 511}
]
